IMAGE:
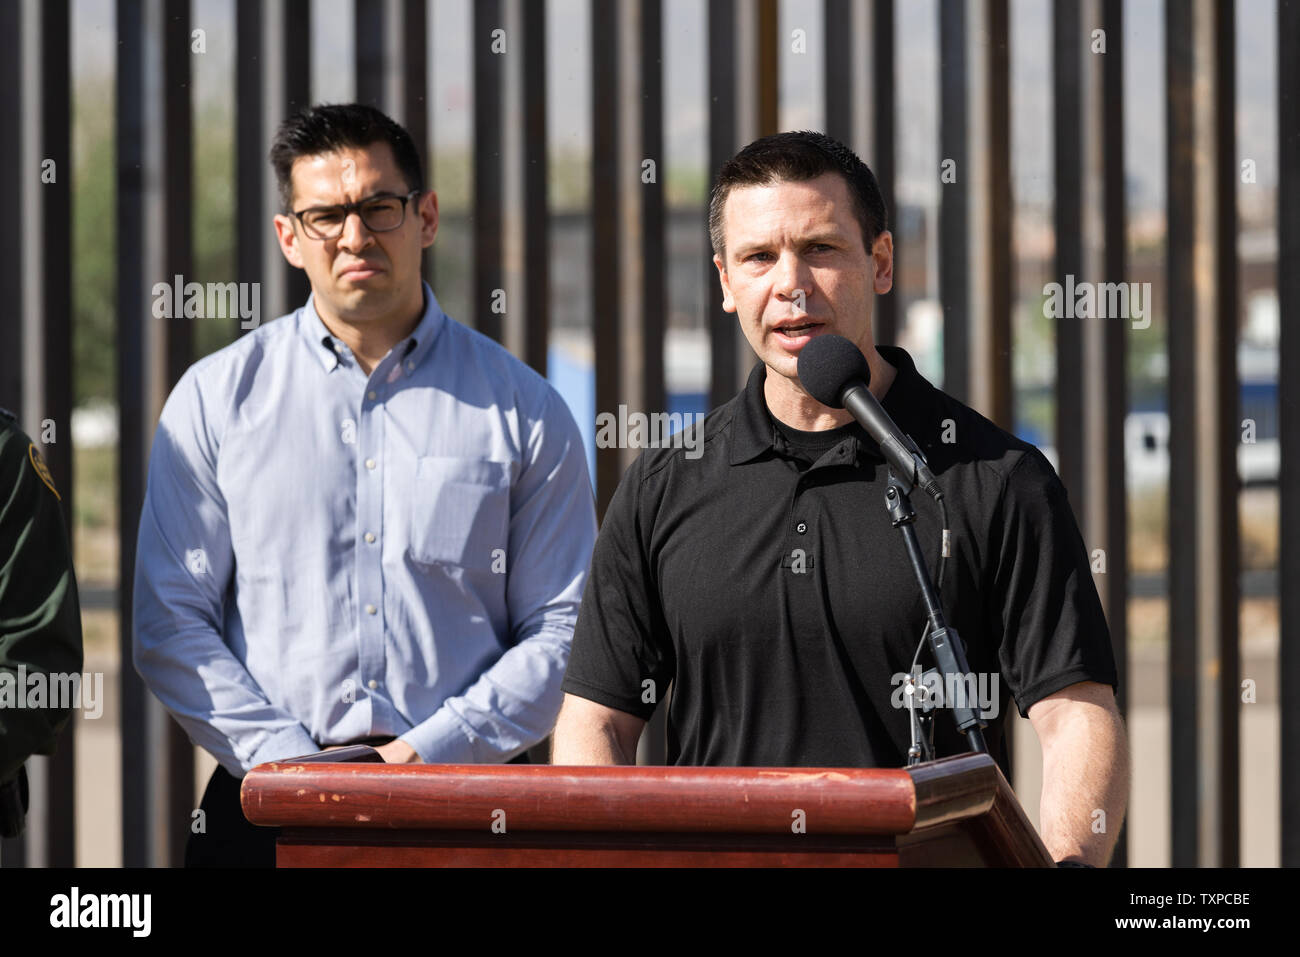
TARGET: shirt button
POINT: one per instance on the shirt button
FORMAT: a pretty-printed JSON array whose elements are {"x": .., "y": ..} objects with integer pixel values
[
  {"x": 801, "y": 528},
  {"x": 371, "y": 609},
  {"x": 372, "y": 684},
  {"x": 370, "y": 536},
  {"x": 370, "y": 463},
  {"x": 372, "y": 395},
  {"x": 410, "y": 367}
]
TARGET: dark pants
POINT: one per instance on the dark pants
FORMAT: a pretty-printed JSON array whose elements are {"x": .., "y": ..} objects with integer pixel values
[{"x": 228, "y": 840}]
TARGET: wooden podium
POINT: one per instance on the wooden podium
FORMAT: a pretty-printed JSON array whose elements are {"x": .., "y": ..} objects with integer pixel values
[{"x": 956, "y": 811}]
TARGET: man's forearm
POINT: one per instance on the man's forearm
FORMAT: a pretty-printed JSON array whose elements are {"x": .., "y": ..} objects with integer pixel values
[{"x": 1085, "y": 786}]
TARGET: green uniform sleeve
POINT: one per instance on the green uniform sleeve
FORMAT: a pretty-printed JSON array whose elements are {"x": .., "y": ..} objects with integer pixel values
[{"x": 40, "y": 619}]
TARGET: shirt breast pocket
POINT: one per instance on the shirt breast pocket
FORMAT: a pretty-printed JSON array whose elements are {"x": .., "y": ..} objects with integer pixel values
[{"x": 460, "y": 511}]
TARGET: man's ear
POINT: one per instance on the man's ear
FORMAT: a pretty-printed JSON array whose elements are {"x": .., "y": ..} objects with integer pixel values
[
  {"x": 728, "y": 303},
  {"x": 288, "y": 238},
  {"x": 882, "y": 254},
  {"x": 428, "y": 209}
]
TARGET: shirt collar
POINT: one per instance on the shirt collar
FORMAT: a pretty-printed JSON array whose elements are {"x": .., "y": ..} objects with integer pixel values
[
  {"x": 412, "y": 349},
  {"x": 907, "y": 400}
]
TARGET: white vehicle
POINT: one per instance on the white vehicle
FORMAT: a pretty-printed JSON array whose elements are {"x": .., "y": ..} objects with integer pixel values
[{"x": 1146, "y": 448}]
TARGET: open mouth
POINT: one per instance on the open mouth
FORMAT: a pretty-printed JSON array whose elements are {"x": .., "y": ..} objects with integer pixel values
[{"x": 798, "y": 332}]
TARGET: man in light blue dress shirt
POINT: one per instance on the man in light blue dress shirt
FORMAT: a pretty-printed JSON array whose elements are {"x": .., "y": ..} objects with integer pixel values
[{"x": 364, "y": 521}]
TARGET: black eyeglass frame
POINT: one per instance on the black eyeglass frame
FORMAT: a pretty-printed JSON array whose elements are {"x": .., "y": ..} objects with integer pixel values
[{"x": 349, "y": 208}]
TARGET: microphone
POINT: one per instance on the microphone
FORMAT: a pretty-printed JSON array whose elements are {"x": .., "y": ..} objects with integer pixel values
[{"x": 835, "y": 373}]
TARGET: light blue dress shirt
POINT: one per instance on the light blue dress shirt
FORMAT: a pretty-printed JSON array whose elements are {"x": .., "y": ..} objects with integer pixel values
[{"x": 326, "y": 556}]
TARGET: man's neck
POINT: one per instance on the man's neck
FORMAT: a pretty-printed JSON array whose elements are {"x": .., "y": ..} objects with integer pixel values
[
  {"x": 801, "y": 411},
  {"x": 373, "y": 339}
]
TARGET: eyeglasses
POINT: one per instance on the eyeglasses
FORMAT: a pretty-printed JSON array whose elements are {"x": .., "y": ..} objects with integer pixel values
[{"x": 379, "y": 214}]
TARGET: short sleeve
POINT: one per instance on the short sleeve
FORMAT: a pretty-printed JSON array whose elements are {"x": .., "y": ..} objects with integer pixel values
[
  {"x": 621, "y": 641},
  {"x": 1053, "y": 630}
]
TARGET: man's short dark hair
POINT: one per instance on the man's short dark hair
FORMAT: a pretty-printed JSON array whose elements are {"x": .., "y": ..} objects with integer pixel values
[
  {"x": 335, "y": 126},
  {"x": 796, "y": 158}
]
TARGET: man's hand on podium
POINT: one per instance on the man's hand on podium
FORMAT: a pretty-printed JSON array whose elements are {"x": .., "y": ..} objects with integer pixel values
[{"x": 398, "y": 751}]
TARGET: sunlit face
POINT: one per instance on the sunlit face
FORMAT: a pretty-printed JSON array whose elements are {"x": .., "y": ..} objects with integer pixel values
[
  {"x": 360, "y": 275},
  {"x": 796, "y": 268}
]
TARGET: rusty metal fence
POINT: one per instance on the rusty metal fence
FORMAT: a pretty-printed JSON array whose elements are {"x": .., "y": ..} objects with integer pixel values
[{"x": 628, "y": 269}]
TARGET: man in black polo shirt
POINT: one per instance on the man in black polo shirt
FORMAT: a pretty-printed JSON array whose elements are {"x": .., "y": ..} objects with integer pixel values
[{"x": 762, "y": 576}]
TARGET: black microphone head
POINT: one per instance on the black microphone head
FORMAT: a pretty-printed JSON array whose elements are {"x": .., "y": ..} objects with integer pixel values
[{"x": 829, "y": 363}]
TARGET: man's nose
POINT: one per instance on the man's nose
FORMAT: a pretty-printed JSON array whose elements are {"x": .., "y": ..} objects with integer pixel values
[
  {"x": 790, "y": 276},
  {"x": 355, "y": 236}
]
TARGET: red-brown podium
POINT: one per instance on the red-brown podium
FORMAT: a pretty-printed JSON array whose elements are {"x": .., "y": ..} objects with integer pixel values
[{"x": 956, "y": 811}]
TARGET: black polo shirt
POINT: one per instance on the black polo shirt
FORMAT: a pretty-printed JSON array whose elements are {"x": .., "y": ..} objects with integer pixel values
[{"x": 761, "y": 576}]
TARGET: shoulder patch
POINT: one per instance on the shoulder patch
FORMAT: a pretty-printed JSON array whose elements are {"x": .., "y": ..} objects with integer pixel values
[{"x": 42, "y": 469}]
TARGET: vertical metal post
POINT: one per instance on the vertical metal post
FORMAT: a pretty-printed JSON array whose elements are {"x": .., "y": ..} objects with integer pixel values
[
  {"x": 1218, "y": 395},
  {"x": 1115, "y": 585},
  {"x": 488, "y": 187},
  {"x": 882, "y": 162},
  {"x": 1001, "y": 263},
  {"x": 837, "y": 70},
  {"x": 606, "y": 261},
  {"x": 251, "y": 169},
  {"x": 756, "y": 79},
  {"x": 722, "y": 135},
  {"x": 154, "y": 153},
  {"x": 131, "y": 304},
  {"x": 1067, "y": 41},
  {"x": 13, "y": 851},
  {"x": 954, "y": 200},
  {"x": 368, "y": 38},
  {"x": 55, "y": 225},
  {"x": 426, "y": 138},
  {"x": 178, "y": 188},
  {"x": 288, "y": 62},
  {"x": 140, "y": 361},
  {"x": 412, "y": 83},
  {"x": 993, "y": 380},
  {"x": 389, "y": 47},
  {"x": 177, "y": 345},
  {"x": 273, "y": 80},
  {"x": 11, "y": 185},
  {"x": 626, "y": 84},
  {"x": 1203, "y": 438},
  {"x": 43, "y": 222},
  {"x": 535, "y": 169},
  {"x": 653, "y": 252},
  {"x": 652, "y": 256},
  {"x": 1181, "y": 205},
  {"x": 766, "y": 75},
  {"x": 1288, "y": 297}
]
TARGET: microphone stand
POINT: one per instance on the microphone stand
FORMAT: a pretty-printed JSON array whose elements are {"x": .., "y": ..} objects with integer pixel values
[{"x": 945, "y": 643}]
